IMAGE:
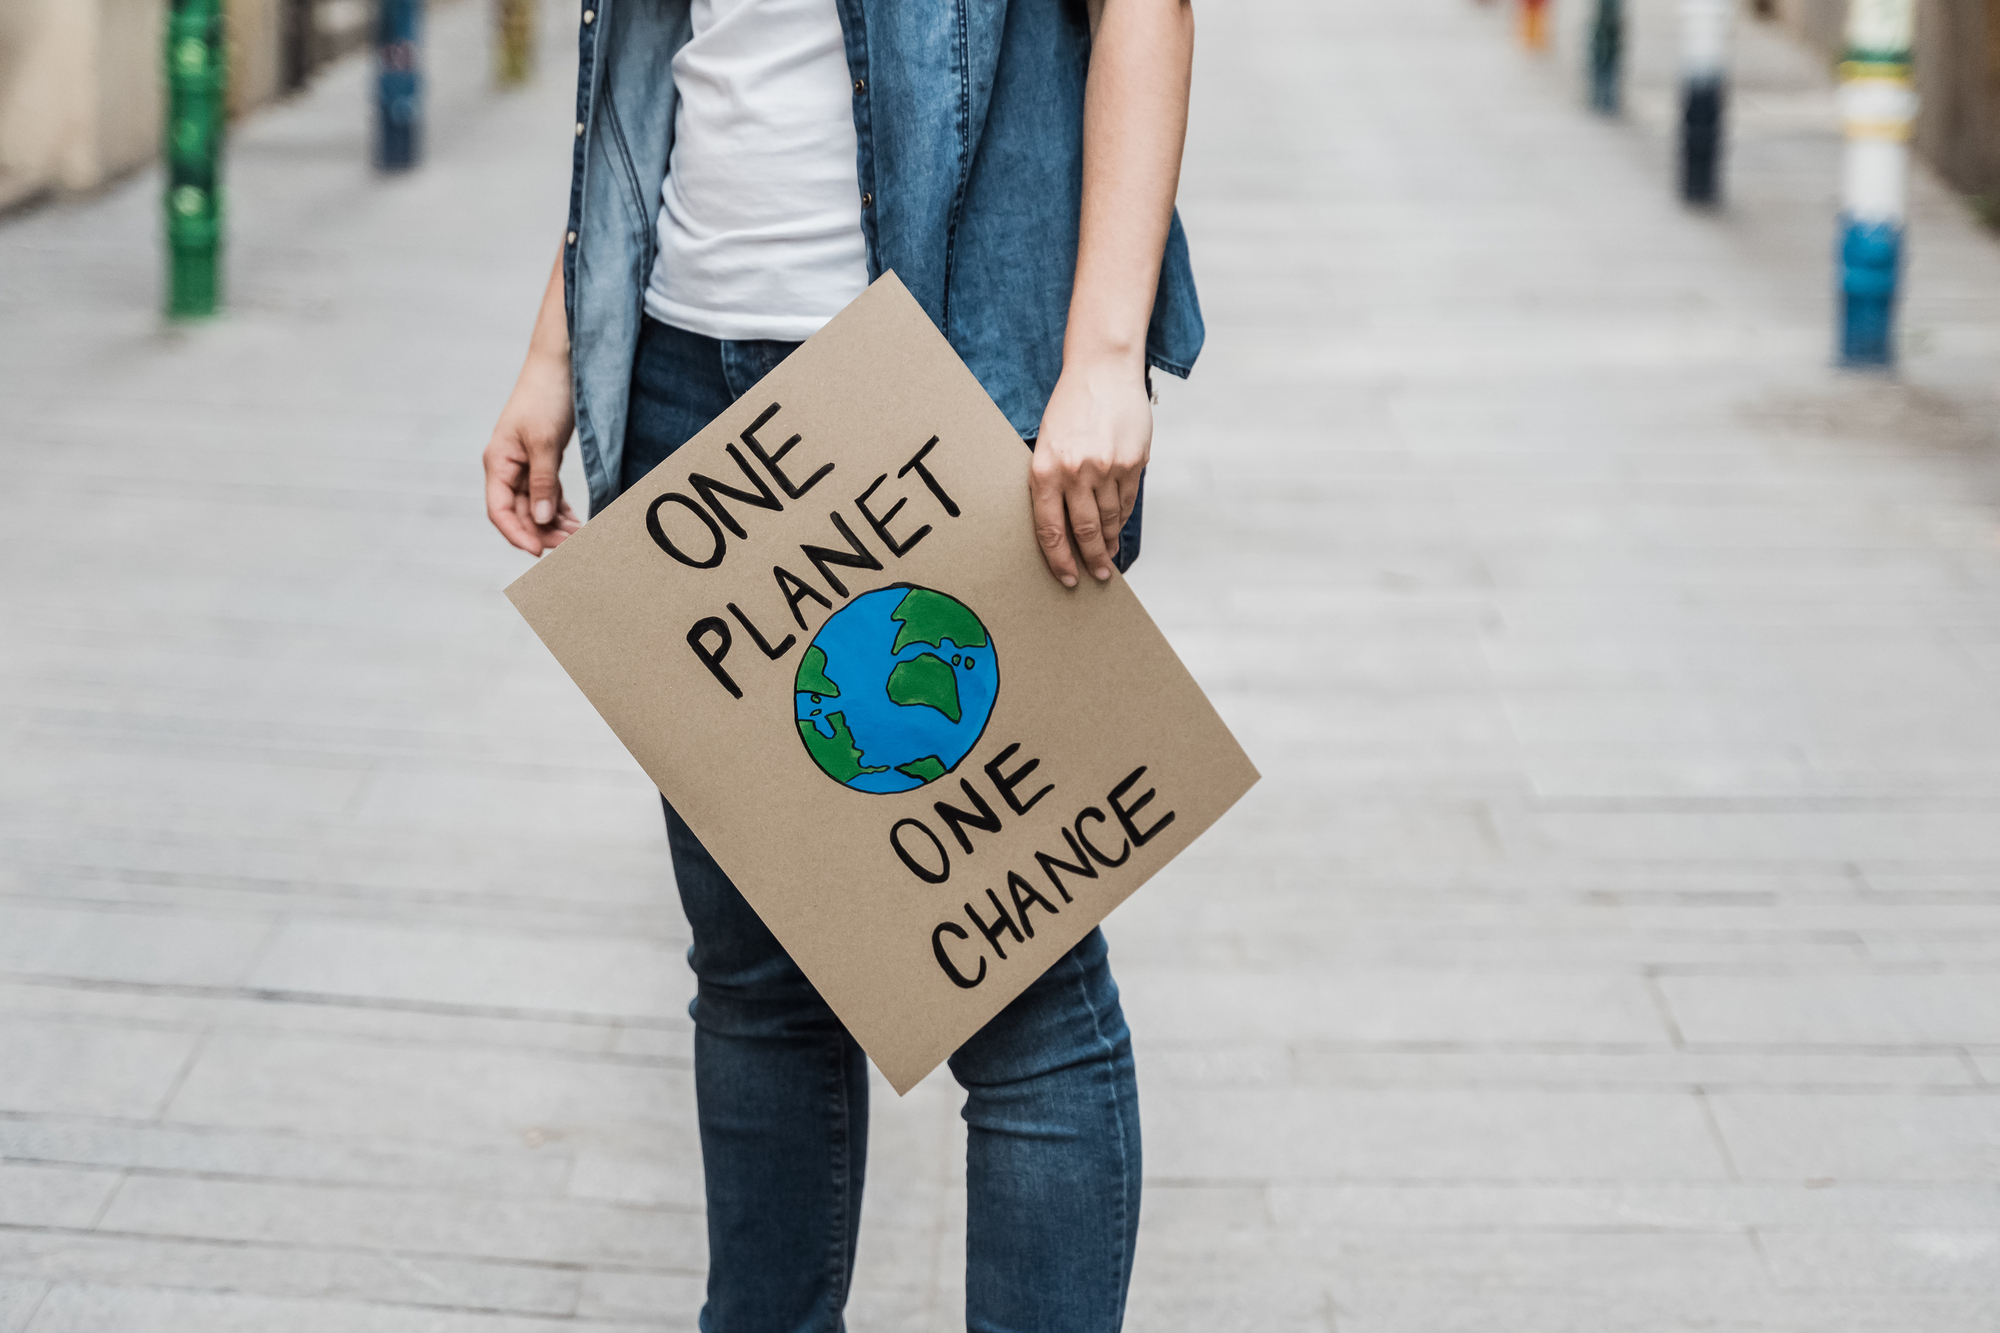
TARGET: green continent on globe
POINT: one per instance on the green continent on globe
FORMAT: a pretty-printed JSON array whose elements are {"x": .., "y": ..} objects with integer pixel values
[
  {"x": 931, "y": 617},
  {"x": 813, "y": 678},
  {"x": 927, "y": 679},
  {"x": 928, "y": 769},
  {"x": 838, "y": 755}
]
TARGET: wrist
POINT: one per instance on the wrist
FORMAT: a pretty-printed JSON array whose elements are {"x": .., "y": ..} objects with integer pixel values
[
  {"x": 542, "y": 389},
  {"x": 544, "y": 358},
  {"x": 542, "y": 371},
  {"x": 1104, "y": 355}
]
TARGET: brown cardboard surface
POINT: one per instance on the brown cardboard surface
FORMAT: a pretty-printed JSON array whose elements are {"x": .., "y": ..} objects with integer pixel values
[{"x": 1087, "y": 687}]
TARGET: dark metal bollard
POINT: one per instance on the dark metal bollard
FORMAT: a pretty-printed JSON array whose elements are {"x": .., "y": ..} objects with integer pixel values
[
  {"x": 197, "y": 86},
  {"x": 1701, "y": 140},
  {"x": 399, "y": 118},
  {"x": 1607, "y": 52},
  {"x": 298, "y": 42},
  {"x": 1704, "y": 97}
]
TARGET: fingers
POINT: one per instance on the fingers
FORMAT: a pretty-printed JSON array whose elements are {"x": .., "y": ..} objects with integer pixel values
[
  {"x": 564, "y": 527},
  {"x": 544, "y": 491},
  {"x": 1111, "y": 508},
  {"x": 505, "y": 507},
  {"x": 1087, "y": 522},
  {"x": 1051, "y": 525}
]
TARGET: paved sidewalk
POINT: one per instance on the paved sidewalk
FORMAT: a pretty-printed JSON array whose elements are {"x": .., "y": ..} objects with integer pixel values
[{"x": 1614, "y": 943}]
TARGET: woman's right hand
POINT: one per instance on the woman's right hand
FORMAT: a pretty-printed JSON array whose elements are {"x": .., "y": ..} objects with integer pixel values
[{"x": 524, "y": 496}]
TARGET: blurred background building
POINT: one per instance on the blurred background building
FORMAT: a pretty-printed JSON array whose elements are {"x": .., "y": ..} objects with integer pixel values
[
  {"x": 80, "y": 86},
  {"x": 80, "y": 95}
]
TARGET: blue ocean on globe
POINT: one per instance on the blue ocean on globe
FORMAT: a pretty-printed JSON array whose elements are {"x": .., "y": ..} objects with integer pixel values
[{"x": 896, "y": 689}]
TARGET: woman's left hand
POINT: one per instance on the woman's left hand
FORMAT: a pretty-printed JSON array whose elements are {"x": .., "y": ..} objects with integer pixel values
[{"x": 1097, "y": 433}]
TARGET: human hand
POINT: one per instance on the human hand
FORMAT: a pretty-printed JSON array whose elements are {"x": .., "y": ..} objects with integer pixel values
[
  {"x": 524, "y": 496},
  {"x": 1097, "y": 433}
]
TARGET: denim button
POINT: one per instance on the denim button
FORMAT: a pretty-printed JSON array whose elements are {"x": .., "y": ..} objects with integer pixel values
[
  {"x": 572, "y": 238},
  {"x": 589, "y": 15},
  {"x": 867, "y": 199},
  {"x": 860, "y": 87},
  {"x": 579, "y": 129}
]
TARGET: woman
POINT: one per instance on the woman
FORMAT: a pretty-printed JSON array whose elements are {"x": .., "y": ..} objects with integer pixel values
[{"x": 742, "y": 170}]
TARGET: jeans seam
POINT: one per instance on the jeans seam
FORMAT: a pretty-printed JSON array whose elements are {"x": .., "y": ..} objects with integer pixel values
[
  {"x": 1118, "y": 1112},
  {"x": 844, "y": 1132},
  {"x": 726, "y": 350}
]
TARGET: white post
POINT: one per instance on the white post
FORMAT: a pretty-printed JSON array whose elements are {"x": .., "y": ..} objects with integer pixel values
[{"x": 1878, "y": 111}]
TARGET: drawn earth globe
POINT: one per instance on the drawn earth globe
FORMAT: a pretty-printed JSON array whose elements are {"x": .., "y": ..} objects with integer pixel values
[{"x": 896, "y": 688}]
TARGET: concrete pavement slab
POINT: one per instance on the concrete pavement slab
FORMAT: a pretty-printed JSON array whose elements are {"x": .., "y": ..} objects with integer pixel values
[
  {"x": 1910, "y": 1009},
  {"x": 271, "y": 1267},
  {"x": 446, "y": 1223},
  {"x": 70, "y": 1140},
  {"x": 136, "y": 947},
  {"x": 1373, "y": 1005},
  {"x": 421, "y": 1094},
  {"x": 1427, "y": 1134},
  {"x": 1869, "y": 1260},
  {"x": 18, "y": 1302},
  {"x": 88, "y": 1069},
  {"x": 1938, "y": 1137},
  {"x": 564, "y": 975},
  {"x": 1710, "y": 1206},
  {"x": 77, "y": 1308},
  {"x": 47, "y": 1195}
]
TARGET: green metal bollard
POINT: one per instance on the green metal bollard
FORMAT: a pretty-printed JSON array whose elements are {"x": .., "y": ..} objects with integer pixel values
[
  {"x": 514, "y": 44},
  {"x": 197, "y": 86}
]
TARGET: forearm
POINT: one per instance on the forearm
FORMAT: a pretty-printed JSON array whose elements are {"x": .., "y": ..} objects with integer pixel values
[
  {"x": 549, "y": 343},
  {"x": 524, "y": 496},
  {"x": 1134, "y": 126},
  {"x": 542, "y": 389}
]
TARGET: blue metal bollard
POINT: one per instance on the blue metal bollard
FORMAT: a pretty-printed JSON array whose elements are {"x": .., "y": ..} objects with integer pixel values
[
  {"x": 1871, "y": 257},
  {"x": 399, "y": 118},
  {"x": 1607, "y": 52}
]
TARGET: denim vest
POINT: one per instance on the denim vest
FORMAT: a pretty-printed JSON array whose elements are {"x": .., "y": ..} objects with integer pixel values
[{"x": 969, "y": 116}]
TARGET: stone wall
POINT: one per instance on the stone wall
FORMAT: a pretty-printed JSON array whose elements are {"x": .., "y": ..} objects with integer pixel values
[
  {"x": 256, "y": 49},
  {"x": 1958, "y": 128},
  {"x": 79, "y": 92},
  {"x": 80, "y": 83},
  {"x": 1958, "y": 78}
]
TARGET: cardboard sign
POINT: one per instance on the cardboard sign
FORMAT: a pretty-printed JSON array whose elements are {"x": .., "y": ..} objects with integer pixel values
[{"x": 824, "y": 629}]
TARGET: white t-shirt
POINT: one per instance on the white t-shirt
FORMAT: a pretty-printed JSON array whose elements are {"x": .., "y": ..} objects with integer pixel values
[{"x": 760, "y": 232}]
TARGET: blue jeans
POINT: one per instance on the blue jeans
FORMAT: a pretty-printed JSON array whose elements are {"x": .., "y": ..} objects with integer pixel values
[{"x": 1052, "y": 1155}]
